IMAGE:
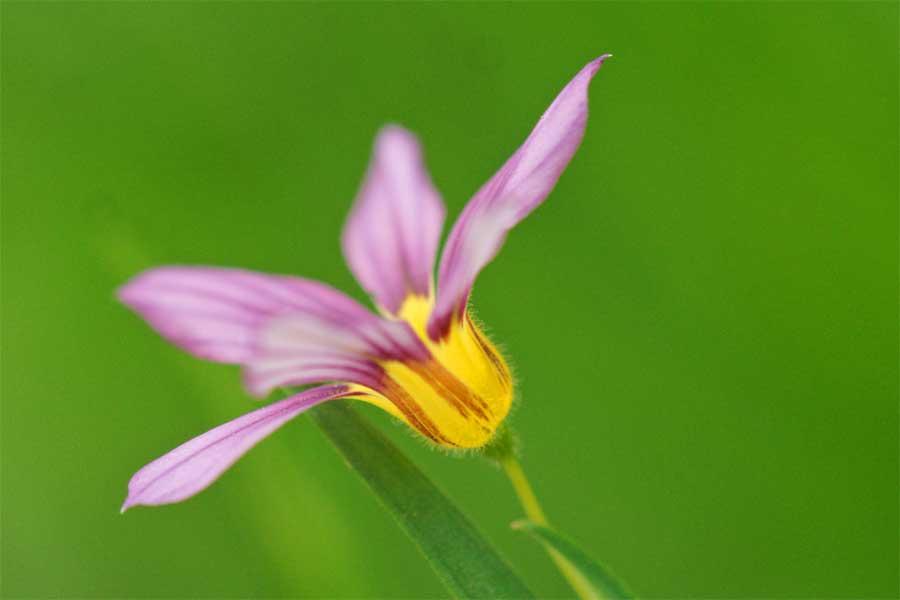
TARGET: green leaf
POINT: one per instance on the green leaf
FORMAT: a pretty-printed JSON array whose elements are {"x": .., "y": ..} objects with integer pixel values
[
  {"x": 464, "y": 561},
  {"x": 595, "y": 580}
]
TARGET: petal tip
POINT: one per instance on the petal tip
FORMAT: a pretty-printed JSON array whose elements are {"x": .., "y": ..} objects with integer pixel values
[
  {"x": 129, "y": 502},
  {"x": 595, "y": 64},
  {"x": 130, "y": 292},
  {"x": 395, "y": 133},
  {"x": 124, "y": 293}
]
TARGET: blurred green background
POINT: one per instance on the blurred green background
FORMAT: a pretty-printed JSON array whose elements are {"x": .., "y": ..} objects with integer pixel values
[{"x": 703, "y": 318}]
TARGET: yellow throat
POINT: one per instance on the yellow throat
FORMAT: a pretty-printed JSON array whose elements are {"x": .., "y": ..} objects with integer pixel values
[{"x": 456, "y": 398}]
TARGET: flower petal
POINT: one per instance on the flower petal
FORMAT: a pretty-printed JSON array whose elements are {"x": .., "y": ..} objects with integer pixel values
[
  {"x": 391, "y": 237},
  {"x": 193, "y": 466},
  {"x": 274, "y": 370},
  {"x": 514, "y": 191},
  {"x": 221, "y": 314}
]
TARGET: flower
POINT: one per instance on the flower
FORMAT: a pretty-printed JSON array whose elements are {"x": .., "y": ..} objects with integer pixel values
[{"x": 423, "y": 360}]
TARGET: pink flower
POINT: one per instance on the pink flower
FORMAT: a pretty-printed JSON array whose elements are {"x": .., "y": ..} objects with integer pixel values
[{"x": 423, "y": 360}]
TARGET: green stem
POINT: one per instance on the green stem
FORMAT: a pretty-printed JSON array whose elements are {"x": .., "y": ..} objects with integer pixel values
[
  {"x": 523, "y": 490},
  {"x": 535, "y": 513}
]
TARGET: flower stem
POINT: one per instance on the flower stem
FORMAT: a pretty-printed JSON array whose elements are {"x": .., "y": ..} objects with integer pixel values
[
  {"x": 523, "y": 490},
  {"x": 535, "y": 513}
]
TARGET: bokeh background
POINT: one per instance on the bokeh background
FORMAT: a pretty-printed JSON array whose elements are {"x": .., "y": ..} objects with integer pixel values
[{"x": 703, "y": 317}]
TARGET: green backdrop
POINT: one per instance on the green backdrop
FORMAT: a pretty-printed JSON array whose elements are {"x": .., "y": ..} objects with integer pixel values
[{"x": 702, "y": 318}]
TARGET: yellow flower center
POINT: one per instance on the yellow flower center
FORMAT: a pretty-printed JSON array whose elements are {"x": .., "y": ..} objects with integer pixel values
[{"x": 456, "y": 398}]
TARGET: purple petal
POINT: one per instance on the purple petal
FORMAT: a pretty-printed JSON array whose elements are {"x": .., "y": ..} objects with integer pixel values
[
  {"x": 391, "y": 237},
  {"x": 514, "y": 191},
  {"x": 224, "y": 314},
  {"x": 193, "y": 466}
]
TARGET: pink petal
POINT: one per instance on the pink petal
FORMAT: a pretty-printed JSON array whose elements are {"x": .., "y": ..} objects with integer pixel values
[
  {"x": 391, "y": 237},
  {"x": 193, "y": 466},
  {"x": 223, "y": 314},
  {"x": 514, "y": 191}
]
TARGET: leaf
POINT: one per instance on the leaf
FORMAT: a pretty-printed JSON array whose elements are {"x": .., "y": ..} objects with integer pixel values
[
  {"x": 464, "y": 561},
  {"x": 596, "y": 581}
]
